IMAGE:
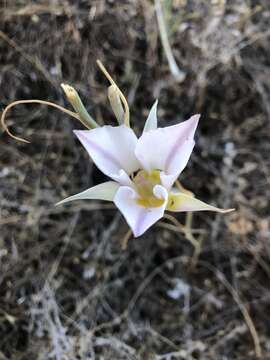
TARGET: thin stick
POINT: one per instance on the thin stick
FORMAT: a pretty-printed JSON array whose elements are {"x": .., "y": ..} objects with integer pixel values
[
  {"x": 182, "y": 229},
  {"x": 125, "y": 103},
  {"x": 34, "y": 101},
  {"x": 189, "y": 218},
  {"x": 189, "y": 236},
  {"x": 174, "y": 228},
  {"x": 124, "y": 241},
  {"x": 175, "y": 71},
  {"x": 28, "y": 58},
  {"x": 243, "y": 309}
]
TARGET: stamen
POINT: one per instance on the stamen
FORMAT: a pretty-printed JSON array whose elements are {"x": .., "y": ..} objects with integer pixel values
[{"x": 145, "y": 184}]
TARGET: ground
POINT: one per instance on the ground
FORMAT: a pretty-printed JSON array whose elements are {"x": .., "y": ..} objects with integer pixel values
[{"x": 68, "y": 288}]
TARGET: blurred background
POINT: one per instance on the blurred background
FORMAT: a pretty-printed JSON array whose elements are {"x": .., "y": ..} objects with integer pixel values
[{"x": 67, "y": 288}]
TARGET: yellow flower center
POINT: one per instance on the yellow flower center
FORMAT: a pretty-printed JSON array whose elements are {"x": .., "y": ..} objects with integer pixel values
[{"x": 145, "y": 183}]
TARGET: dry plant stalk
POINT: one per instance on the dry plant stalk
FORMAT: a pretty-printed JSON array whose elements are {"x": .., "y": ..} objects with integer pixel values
[
  {"x": 34, "y": 101},
  {"x": 178, "y": 74}
]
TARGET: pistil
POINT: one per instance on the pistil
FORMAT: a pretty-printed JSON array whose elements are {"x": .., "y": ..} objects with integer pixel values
[{"x": 145, "y": 183}]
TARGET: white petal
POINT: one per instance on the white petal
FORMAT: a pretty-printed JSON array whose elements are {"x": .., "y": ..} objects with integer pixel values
[
  {"x": 138, "y": 217},
  {"x": 167, "y": 149},
  {"x": 123, "y": 179},
  {"x": 151, "y": 121},
  {"x": 111, "y": 148},
  {"x": 181, "y": 202},
  {"x": 105, "y": 191},
  {"x": 167, "y": 180}
]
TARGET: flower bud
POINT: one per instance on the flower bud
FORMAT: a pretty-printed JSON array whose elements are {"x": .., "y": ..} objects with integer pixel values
[
  {"x": 115, "y": 101},
  {"x": 74, "y": 99}
]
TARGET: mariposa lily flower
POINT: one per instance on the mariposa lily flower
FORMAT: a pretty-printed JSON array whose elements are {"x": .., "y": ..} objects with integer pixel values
[{"x": 143, "y": 171}]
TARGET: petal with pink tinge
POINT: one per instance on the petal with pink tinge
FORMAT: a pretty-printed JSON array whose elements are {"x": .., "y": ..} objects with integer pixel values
[
  {"x": 111, "y": 149},
  {"x": 167, "y": 149},
  {"x": 138, "y": 217}
]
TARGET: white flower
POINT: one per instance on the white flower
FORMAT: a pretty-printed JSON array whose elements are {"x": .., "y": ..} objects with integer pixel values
[{"x": 143, "y": 170}]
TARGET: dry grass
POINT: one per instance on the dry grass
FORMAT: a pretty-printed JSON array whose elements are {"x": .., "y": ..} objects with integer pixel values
[{"x": 67, "y": 289}]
